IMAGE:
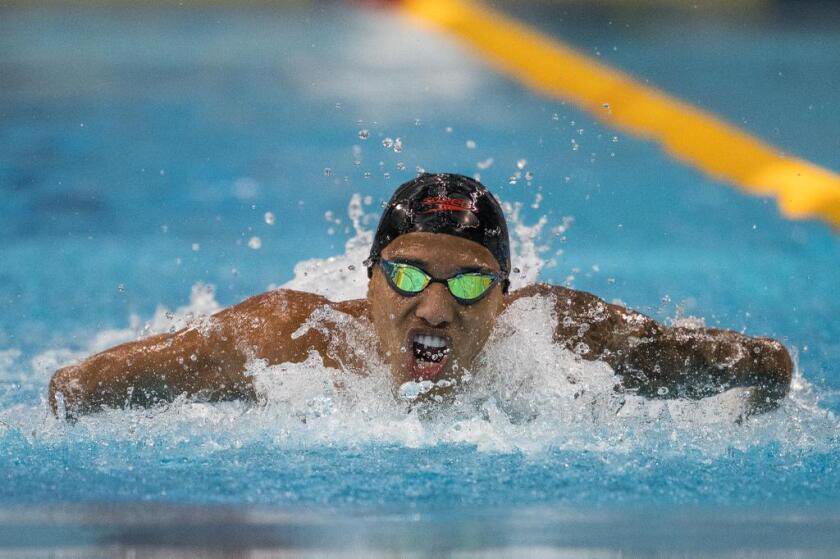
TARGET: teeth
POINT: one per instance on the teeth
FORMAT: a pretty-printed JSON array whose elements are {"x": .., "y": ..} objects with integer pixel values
[{"x": 430, "y": 341}]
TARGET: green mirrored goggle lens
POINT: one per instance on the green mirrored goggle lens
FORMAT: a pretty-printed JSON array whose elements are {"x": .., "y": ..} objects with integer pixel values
[
  {"x": 408, "y": 278},
  {"x": 469, "y": 286}
]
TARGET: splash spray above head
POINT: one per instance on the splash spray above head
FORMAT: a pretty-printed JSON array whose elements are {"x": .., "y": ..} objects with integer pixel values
[{"x": 445, "y": 203}]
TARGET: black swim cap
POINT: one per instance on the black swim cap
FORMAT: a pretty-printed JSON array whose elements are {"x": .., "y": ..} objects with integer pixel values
[{"x": 445, "y": 203}]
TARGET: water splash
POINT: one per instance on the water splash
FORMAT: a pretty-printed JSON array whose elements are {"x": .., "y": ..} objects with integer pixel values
[{"x": 526, "y": 394}]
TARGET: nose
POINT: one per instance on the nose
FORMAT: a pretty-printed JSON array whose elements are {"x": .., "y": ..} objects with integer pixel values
[{"x": 435, "y": 306}]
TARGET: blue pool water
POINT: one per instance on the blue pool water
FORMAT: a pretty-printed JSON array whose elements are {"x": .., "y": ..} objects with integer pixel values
[{"x": 140, "y": 150}]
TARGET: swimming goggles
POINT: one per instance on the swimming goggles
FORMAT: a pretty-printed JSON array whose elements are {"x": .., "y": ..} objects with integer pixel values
[{"x": 409, "y": 280}]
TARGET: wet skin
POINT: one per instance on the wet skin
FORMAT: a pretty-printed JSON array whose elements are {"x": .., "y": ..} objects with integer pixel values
[{"x": 209, "y": 363}]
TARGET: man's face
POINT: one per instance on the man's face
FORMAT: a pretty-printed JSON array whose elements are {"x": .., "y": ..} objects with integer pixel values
[{"x": 407, "y": 327}]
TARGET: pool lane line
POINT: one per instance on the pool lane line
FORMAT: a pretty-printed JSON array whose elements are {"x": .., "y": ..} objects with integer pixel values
[{"x": 698, "y": 138}]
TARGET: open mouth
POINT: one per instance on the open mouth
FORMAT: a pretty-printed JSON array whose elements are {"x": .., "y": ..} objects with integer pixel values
[{"x": 430, "y": 354}]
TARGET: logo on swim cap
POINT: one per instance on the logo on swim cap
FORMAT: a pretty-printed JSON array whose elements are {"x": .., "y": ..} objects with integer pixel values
[{"x": 444, "y": 204}]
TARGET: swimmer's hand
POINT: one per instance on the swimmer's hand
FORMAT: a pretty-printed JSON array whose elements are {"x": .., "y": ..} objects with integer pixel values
[{"x": 668, "y": 362}]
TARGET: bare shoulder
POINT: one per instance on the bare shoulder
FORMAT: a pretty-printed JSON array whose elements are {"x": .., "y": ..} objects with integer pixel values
[
  {"x": 286, "y": 306},
  {"x": 564, "y": 297},
  {"x": 268, "y": 325}
]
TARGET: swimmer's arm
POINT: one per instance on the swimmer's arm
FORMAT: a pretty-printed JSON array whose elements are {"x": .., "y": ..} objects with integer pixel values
[
  {"x": 659, "y": 361},
  {"x": 207, "y": 362},
  {"x": 150, "y": 371}
]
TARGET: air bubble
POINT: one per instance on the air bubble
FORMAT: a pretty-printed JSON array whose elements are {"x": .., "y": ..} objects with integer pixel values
[
  {"x": 328, "y": 172},
  {"x": 364, "y": 133},
  {"x": 255, "y": 243},
  {"x": 387, "y": 143},
  {"x": 470, "y": 144},
  {"x": 398, "y": 146},
  {"x": 521, "y": 163},
  {"x": 269, "y": 218}
]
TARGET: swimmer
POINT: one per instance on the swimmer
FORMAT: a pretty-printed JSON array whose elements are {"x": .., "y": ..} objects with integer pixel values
[{"x": 439, "y": 272}]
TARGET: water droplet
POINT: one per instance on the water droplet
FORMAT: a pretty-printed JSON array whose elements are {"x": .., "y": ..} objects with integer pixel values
[
  {"x": 255, "y": 243},
  {"x": 486, "y": 164},
  {"x": 662, "y": 390},
  {"x": 398, "y": 146},
  {"x": 521, "y": 164},
  {"x": 351, "y": 267},
  {"x": 327, "y": 172},
  {"x": 400, "y": 165},
  {"x": 269, "y": 218},
  {"x": 555, "y": 116},
  {"x": 470, "y": 144},
  {"x": 449, "y": 130},
  {"x": 417, "y": 122},
  {"x": 605, "y": 106},
  {"x": 614, "y": 139},
  {"x": 121, "y": 288},
  {"x": 529, "y": 176},
  {"x": 366, "y": 175},
  {"x": 364, "y": 133},
  {"x": 387, "y": 143},
  {"x": 196, "y": 247},
  {"x": 516, "y": 270}
]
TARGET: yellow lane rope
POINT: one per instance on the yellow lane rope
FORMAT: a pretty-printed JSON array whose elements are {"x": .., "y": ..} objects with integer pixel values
[{"x": 698, "y": 138}]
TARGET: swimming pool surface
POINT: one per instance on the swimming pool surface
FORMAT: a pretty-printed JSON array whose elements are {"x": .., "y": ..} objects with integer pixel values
[{"x": 140, "y": 150}]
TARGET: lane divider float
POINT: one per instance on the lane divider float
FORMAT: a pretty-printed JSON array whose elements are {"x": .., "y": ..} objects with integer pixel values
[{"x": 696, "y": 137}]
